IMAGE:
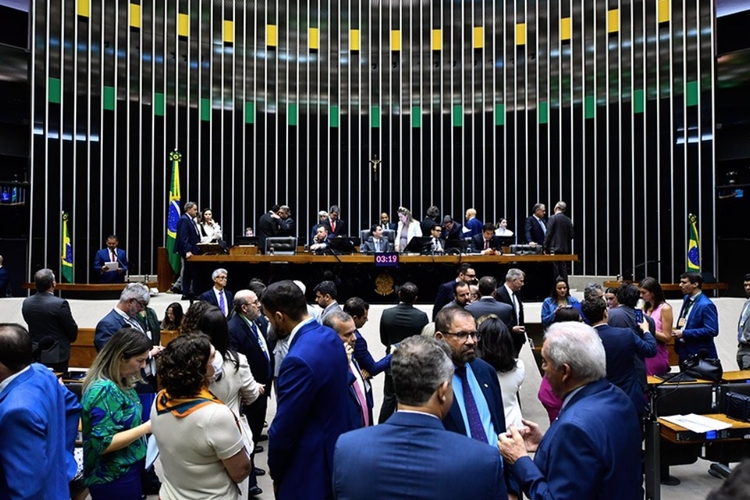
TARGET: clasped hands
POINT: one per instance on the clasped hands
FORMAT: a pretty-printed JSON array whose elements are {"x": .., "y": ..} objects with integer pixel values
[{"x": 518, "y": 442}]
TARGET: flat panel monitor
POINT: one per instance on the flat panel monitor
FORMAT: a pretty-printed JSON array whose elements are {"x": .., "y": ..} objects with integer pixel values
[
  {"x": 343, "y": 245},
  {"x": 676, "y": 399},
  {"x": 419, "y": 244},
  {"x": 463, "y": 246}
]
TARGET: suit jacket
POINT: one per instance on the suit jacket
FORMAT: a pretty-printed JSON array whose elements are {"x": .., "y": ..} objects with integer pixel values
[
  {"x": 443, "y": 296},
  {"x": 426, "y": 225},
  {"x": 340, "y": 228},
  {"x": 489, "y": 305},
  {"x": 400, "y": 322},
  {"x": 592, "y": 451},
  {"x": 369, "y": 245},
  {"x": 38, "y": 427},
  {"x": 412, "y": 456},
  {"x": 487, "y": 378},
  {"x": 701, "y": 328},
  {"x": 365, "y": 359},
  {"x": 390, "y": 225},
  {"x": 457, "y": 233},
  {"x": 474, "y": 227},
  {"x": 312, "y": 412},
  {"x": 4, "y": 282},
  {"x": 621, "y": 345},
  {"x": 502, "y": 295},
  {"x": 102, "y": 257},
  {"x": 244, "y": 341},
  {"x": 533, "y": 230},
  {"x": 624, "y": 317},
  {"x": 267, "y": 227},
  {"x": 210, "y": 297},
  {"x": 477, "y": 243},
  {"x": 559, "y": 234},
  {"x": 108, "y": 326},
  {"x": 187, "y": 238},
  {"x": 286, "y": 227},
  {"x": 50, "y": 316},
  {"x": 355, "y": 409}
]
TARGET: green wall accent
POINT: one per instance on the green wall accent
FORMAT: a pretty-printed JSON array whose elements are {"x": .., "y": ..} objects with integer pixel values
[{"x": 54, "y": 92}]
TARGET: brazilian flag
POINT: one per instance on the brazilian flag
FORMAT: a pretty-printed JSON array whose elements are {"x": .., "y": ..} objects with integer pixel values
[
  {"x": 693, "y": 255},
  {"x": 173, "y": 210},
  {"x": 66, "y": 275}
]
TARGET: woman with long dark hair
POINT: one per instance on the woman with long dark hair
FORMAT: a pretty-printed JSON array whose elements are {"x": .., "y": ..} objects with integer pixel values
[
  {"x": 656, "y": 306},
  {"x": 559, "y": 297},
  {"x": 495, "y": 346},
  {"x": 172, "y": 317}
]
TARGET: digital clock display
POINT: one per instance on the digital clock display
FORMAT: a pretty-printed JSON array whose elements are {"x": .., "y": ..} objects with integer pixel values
[{"x": 387, "y": 259}]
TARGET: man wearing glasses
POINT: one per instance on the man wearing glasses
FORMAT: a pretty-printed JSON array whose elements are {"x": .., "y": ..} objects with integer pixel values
[
  {"x": 477, "y": 409},
  {"x": 133, "y": 299},
  {"x": 218, "y": 295}
]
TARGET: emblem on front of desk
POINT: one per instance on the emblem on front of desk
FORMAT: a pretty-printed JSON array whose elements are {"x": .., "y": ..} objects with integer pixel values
[{"x": 384, "y": 284}]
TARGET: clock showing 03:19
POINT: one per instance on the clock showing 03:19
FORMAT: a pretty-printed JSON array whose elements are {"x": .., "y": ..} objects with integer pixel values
[{"x": 387, "y": 259}]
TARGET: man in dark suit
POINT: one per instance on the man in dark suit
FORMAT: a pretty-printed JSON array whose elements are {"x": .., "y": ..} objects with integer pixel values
[
  {"x": 359, "y": 310},
  {"x": 111, "y": 254},
  {"x": 269, "y": 225},
  {"x": 535, "y": 227},
  {"x": 313, "y": 405},
  {"x": 396, "y": 324},
  {"x": 488, "y": 304},
  {"x": 593, "y": 450},
  {"x": 286, "y": 224},
  {"x": 133, "y": 299},
  {"x": 621, "y": 346},
  {"x": 385, "y": 222},
  {"x": 487, "y": 243},
  {"x": 431, "y": 217},
  {"x": 375, "y": 243},
  {"x": 248, "y": 333},
  {"x": 51, "y": 324},
  {"x": 186, "y": 245},
  {"x": 445, "y": 292},
  {"x": 5, "y": 290},
  {"x": 218, "y": 295},
  {"x": 38, "y": 423},
  {"x": 509, "y": 293},
  {"x": 336, "y": 225},
  {"x": 478, "y": 399},
  {"x": 360, "y": 390},
  {"x": 558, "y": 238},
  {"x": 411, "y": 455},
  {"x": 452, "y": 230},
  {"x": 698, "y": 322}
]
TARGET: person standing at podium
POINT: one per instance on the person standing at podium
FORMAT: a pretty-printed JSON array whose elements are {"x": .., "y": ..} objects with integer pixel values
[{"x": 107, "y": 273}]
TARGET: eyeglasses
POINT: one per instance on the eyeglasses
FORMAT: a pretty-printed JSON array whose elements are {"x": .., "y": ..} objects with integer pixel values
[
  {"x": 141, "y": 303},
  {"x": 464, "y": 336},
  {"x": 221, "y": 277}
]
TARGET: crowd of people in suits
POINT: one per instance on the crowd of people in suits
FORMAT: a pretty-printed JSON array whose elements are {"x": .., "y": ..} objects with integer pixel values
[{"x": 450, "y": 390}]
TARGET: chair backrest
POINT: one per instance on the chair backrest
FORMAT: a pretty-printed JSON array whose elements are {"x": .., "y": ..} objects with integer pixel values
[
  {"x": 281, "y": 245},
  {"x": 390, "y": 234},
  {"x": 364, "y": 234}
]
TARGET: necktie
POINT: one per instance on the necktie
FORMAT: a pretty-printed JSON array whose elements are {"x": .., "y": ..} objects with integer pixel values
[
  {"x": 222, "y": 303},
  {"x": 360, "y": 398},
  {"x": 114, "y": 256},
  {"x": 486, "y": 244},
  {"x": 472, "y": 413},
  {"x": 262, "y": 345},
  {"x": 544, "y": 228},
  {"x": 515, "y": 307},
  {"x": 333, "y": 227}
]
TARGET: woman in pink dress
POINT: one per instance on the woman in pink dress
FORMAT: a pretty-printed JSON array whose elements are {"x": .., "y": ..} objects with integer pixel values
[{"x": 661, "y": 312}]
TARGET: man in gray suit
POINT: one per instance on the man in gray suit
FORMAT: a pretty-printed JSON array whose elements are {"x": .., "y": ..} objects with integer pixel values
[
  {"x": 396, "y": 324},
  {"x": 488, "y": 304},
  {"x": 558, "y": 238},
  {"x": 51, "y": 324}
]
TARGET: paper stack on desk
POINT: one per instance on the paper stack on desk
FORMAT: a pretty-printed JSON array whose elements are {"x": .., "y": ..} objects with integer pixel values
[{"x": 697, "y": 423}]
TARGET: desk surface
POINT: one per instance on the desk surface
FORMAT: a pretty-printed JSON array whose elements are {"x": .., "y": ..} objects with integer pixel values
[
  {"x": 669, "y": 430},
  {"x": 89, "y": 287},
  {"x": 307, "y": 258},
  {"x": 730, "y": 376},
  {"x": 670, "y": 287}
]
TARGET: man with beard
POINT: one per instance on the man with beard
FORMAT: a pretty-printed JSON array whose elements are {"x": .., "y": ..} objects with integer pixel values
[
  {"x": 477, "y": 409},
  {"x": 312, "y": 390}
]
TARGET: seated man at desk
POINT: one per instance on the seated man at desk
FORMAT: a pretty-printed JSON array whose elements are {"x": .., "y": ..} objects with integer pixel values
[
  {"x": 487, "y": 243},
  {"x": 320, "y": 242},
  {"x": 104, "y": 259},
  {"x": 375, "y": 243}
]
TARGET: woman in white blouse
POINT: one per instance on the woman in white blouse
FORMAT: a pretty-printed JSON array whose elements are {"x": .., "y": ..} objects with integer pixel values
[
  {"x": 408, "y": 228},
  {"x": 210, "y": 229}
]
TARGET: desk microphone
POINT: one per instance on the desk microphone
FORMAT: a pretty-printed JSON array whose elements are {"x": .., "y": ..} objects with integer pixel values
[{"x": 695, "y": 359}]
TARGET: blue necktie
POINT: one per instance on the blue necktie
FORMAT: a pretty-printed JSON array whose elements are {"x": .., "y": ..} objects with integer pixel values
[
  {"x": 222, "y": 304},
  {"x": 472, "y": 413}
]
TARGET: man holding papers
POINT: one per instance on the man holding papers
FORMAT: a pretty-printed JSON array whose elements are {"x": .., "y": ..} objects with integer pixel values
[{"x": 111, "y": 262}]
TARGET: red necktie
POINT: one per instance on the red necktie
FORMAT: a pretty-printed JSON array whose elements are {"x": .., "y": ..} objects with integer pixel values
[
  {"x": 333, "y": 227},
  {"x": 486, "y": 244},
  {"x": 114, "y": 256}
]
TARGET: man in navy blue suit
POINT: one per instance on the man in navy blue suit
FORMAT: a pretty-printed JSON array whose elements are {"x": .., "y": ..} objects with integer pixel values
[
  {"x": 698, "y": 322},
  {"x": 38, "y": 423},
  {"x": 111, "y": 254},
  {"x": 186, "y": 245},
  {"x": 248, "y": 332},
  {"x": 411, "y": 455},
  {"x": 445, "y": 292},
  {"x": 621, "y": 346},
  {"x": 477, "y": 409},
  {"x": 218, "y": 295},
  {"x": 313, "y": 405},
  {"x": 359, "y": 310},
  {"x": 535, "y": 227},
  {"x": 593, "y": 450}
]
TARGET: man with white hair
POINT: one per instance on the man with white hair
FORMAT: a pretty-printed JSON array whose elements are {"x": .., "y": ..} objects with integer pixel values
[
  {"x": 218, "y": 295},
  {"x": 593, "y": 449}
]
